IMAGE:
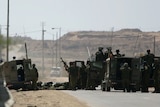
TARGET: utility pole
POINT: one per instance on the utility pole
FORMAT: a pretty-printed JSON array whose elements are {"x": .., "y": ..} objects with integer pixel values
[
  {"x": 154, "y": 45},
  {"x": 53, "y": 51},
  {"x": 58, "y": 44},
  {"x": 112, "y": 36},
  {"x": 7, "y": 57},
  {"x": 43, "y": 48}
]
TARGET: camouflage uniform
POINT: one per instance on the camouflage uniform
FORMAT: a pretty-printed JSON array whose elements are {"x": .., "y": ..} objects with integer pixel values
[
  {"x": 90, "y": 85},
  {"x": 99, "y": 55},
  {"x": 145, "y": 77},
  {"x": 147, "y": 72},
  {"x": 82, "y": 77},
  {"x": 35, "y": 75},
  {"x": 117, "y": 53},
  {"x": 126, "y": 72},
  {"x": 73, "y": 75},
  {"x": 157, "y": 77},
  {"x": 149, "y": 59}
]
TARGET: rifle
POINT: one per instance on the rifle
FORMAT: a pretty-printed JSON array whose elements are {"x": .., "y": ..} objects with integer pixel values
[{"x": 65, "y": 64}]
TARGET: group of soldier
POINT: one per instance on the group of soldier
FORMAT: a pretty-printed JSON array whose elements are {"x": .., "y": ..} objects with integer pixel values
[
  {"x": 102, "y": 56},
  {"x": 150, "y": 72},
  {"x": 82, "y": 77}
]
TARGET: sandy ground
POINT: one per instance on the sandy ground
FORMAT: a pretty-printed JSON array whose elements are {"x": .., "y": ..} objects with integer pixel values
[{"x": 46, "y": 98}]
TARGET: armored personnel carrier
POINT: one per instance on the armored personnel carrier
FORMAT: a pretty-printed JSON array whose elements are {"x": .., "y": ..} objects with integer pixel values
[
  {"x": 112, "y": 77},
  {"x": 16, "y": 78}
]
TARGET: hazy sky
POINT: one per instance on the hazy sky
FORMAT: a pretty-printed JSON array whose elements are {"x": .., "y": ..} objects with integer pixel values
[{"x": 26, "y": 16}]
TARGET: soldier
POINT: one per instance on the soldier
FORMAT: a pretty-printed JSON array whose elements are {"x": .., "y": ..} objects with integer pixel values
[
  {"x": 126, "y": 72},
  {"x": 82, "y": 76},
  {"x": 100, "y": 55},
  {"x": 147, "y": 72},
  {"x": 20, "y": 74},
  {"x": 91, "y": 77},
  {"x": 149, "y": 58},
  {"x": 73, "y": 75},
  {"x": 117, "y": 53},
  {"x": 157, "y": 77},
  {"x": 108, "y": 53},
  {"x": 145, "y": 77},
  {"x": 34, "y": 77}
]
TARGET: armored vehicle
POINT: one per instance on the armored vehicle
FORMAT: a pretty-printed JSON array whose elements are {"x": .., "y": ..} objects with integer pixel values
[
  {"x": 76, "y": 74},
  {"x": 113, "y": 74},
  {"x": 18, "y": 73}
]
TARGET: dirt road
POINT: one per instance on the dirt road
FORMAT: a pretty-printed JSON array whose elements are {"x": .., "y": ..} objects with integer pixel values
[{"x": 45, "y": 98}]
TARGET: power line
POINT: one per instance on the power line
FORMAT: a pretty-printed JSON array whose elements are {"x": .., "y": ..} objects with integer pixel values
[{"x": 28, "y": 32}]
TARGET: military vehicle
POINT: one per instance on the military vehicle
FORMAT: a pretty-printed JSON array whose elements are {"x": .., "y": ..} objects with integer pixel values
[
  {"x": 18, "y": 73},
  {"x": 79, "y": 73},
  {"x": 95, "y": 68},
  {"x": 112, "y": 77},
  {"x": 15, "y": 80}
]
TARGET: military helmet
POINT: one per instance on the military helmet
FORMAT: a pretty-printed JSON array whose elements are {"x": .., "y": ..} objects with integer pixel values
[
  {"x": 100, "y": 48},
  {"x": 117, "y": 51},
  {"x": 14, "y": 57},
  {"x": 34, "y": 65},
  {"x": 148, "y": 51},
  {"x": 125, "y": 64}
]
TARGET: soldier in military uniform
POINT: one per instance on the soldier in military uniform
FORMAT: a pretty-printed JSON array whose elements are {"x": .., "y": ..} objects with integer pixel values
[
  {"x": 117, "y": 53},
  {"x": 126, "y": 73},
  {"x": 157, "y": 76},
  {"x": 35, "y": 76},
  {"x": 82, "y": 76},
  {"x": 147, "y": 72},
  {"x": 21, "y": 74},
  {"x": 145, "y": 77},
  {"x": 149, "y": 58},
  {"x": 99, "y": 54},
  {"x": 90, "y": 83},
  {"x": 73, "y": 76}
]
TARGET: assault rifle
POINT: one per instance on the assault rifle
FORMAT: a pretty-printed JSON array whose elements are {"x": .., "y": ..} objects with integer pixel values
[{"x": 65, "y": 64}]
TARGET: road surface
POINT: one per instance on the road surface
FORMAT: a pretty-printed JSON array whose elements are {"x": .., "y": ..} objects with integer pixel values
[{"x": 97, "y": 98}]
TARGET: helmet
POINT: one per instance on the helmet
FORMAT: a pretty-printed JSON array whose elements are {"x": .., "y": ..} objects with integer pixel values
[
  {"x": 148, "y": 51},
  {"x": 100, "y": 48},
  {"x": 125, "y": 64},
  {"x": 14, "y": 57},
  {"x": 117, "y": 50}
]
